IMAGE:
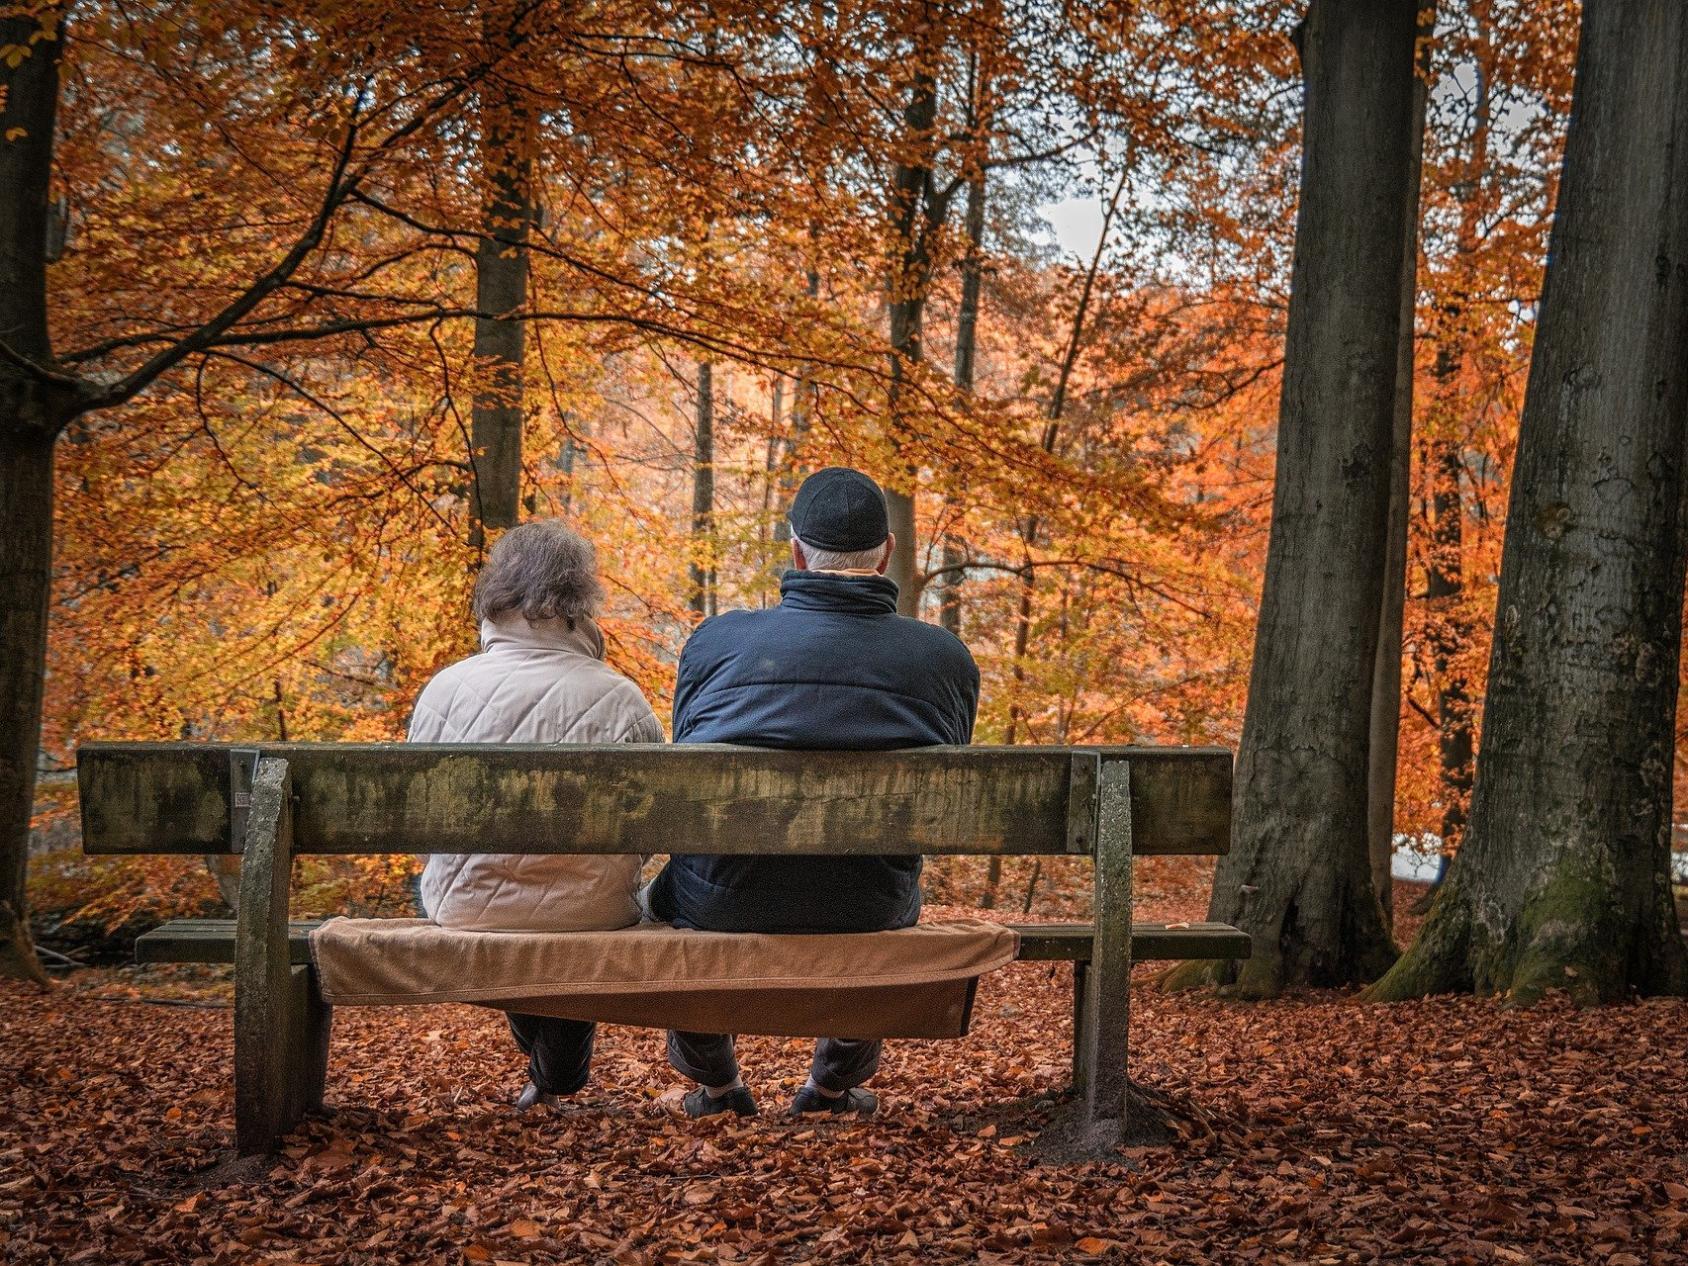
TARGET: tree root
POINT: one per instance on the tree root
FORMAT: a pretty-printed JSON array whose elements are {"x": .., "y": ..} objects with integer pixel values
[
  {"x": 1566, "y": 938},
  {"x": 1259, "y": 978},
  {"x": 1194, "y": 974},
  {"x": 18, "y": 960}
]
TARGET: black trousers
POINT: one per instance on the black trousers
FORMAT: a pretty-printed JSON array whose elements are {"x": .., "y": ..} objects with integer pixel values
[
  {"x": 709, "y": 1059},
  {"x": 559, "y": 1051}
]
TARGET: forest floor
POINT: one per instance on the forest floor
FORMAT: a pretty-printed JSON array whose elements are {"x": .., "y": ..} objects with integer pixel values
[{"x": 1315, "y": 1129}]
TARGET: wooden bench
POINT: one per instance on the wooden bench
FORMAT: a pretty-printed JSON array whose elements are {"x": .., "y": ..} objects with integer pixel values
[{"x": 268, "y": 805}]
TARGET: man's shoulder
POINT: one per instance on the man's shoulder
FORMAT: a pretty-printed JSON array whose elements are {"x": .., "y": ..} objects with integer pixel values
[
  {"x": 721, "y": 639},
  {"x": 936, "y": 641},
  {"x": 725, "y": 629},
  {"x": 731, "y": 619}
]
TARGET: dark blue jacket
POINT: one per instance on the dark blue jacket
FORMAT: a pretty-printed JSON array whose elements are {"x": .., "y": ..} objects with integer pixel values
[{"x": 833, "y": 666}]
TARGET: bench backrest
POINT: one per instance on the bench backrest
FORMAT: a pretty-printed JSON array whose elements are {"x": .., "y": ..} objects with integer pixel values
[{"x": 623, "y": 798}]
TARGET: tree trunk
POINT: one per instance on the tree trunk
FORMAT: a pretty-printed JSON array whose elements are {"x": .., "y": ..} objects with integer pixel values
[
  {"x": 501, "y": 283},
  {"x": 1563, "y": 877},
  {"x": 702, "y": 573},
  {"x": 966, "y": 348},
  {"x": 802, "y": 418},
  {"x": 26, "y": 559},
  {"x": 1386, "y": 676},
  {"x": 1444, "y": 591},
  {"x": 571, "y": 456},
  {"x": 912, "y": 224},
  {"x": 33, "y": 411},
  {"x": 1299, "y": 874}
]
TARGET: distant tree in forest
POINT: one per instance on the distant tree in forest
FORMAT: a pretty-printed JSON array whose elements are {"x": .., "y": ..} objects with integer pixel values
[
  {"x": 1562, "y": 881},
  {"x": 507, "y": 136}
]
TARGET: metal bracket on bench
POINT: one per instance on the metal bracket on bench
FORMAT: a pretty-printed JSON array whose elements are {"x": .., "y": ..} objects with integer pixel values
[
  {"x": 1082, "y": 783},
  {"x": 243, "y": 768}
]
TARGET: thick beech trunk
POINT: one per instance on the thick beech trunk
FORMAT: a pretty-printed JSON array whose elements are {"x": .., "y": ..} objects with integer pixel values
[
  {"x": 1386, "y": 677},
  {"x": 1562, "y": 879},
  {"x": 1299, "y": 876},
  {"x": 33, "y": 411},
  {"x": 501, "y": 283},
  {"x": 701, "y": 571}
]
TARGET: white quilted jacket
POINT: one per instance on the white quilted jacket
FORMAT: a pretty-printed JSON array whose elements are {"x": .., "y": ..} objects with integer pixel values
[{"x": 532, "y": 683}]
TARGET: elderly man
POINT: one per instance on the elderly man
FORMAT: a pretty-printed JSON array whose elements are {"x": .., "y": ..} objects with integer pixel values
[{"x": 832, "y": 666}]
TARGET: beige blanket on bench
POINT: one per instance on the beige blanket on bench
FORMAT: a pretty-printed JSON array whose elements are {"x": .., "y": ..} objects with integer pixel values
[{"x": 915, "y": 982}]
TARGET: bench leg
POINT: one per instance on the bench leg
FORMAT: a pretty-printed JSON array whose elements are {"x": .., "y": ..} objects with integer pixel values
[
  {"x": 308, "y": 1022},
  {"x": 275, "y": 1022},
  {"x": 1081, "y": 969},
  {"x": 1106, "y": 1016}
]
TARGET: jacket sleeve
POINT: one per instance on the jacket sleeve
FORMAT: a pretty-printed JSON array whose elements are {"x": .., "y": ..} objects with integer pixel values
[
  {"x": 425, "y": 721},
  {"x": 970, "y": 698},
  {"x": 688, "y": 677}
]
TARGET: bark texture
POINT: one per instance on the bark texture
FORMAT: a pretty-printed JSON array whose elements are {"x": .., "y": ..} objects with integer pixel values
[
  {"x": 1298, "y": 878},
  {"x": 966, "y": 349},
  {"x": 802, "y": 419},
  {"x": 26, "y": 558},
  {"x": 1562, "y": 879},
  {"x": 33, "y": 411},
  {"x": 1444, "y": 590},
  {"x": 501, "y": 282},
  {"x": 915, "y": 215},
  {"x": 701, "y": 572}
]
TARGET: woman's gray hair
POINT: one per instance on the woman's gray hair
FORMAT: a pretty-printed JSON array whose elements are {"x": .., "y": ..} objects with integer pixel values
[{"x": 544, "y": 569}]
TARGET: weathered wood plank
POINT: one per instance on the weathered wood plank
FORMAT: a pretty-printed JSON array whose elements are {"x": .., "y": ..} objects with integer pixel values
[
  {"x": 418, "y": 798},
  {"x": 1150, "y": 942},
  {"x": 212, "y": 941}
]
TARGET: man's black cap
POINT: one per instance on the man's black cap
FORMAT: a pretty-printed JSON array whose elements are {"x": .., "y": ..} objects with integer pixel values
[{"x": 841, "y": 510}]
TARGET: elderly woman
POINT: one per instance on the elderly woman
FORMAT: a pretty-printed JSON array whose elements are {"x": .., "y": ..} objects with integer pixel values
[{"x": 540, "y": 678}]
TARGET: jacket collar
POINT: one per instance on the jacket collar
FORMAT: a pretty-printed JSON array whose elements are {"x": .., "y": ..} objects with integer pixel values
[
  {"x": 510, "y": 630},
  {"x": 836, "y": 591}
]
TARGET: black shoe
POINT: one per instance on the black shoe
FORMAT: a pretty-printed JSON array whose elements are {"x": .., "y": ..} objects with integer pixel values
[
  {"x": 700, "y": 1103},
  {"x": 532, "y": 1097},
  {"x": 856, "y": 1102}
]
